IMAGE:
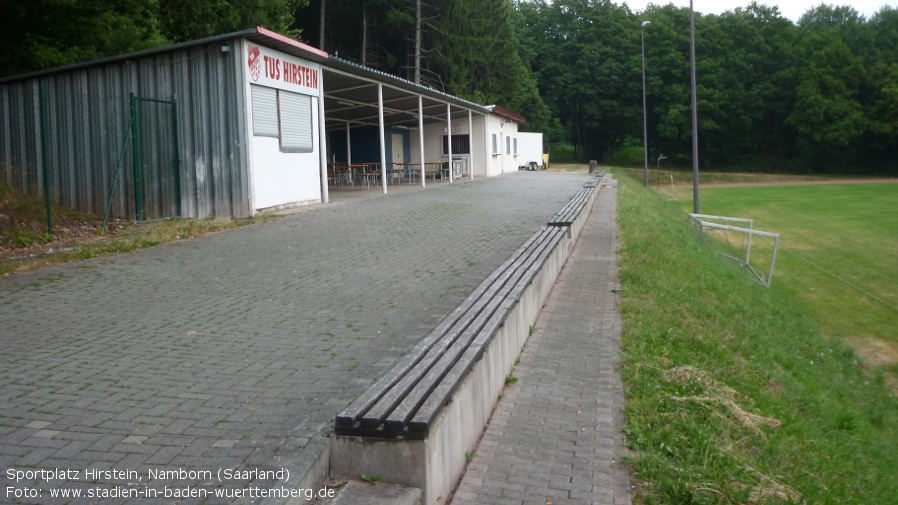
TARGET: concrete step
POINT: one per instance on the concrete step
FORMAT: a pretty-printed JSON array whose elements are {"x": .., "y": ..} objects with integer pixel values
[{"x": 357, "y": 493}]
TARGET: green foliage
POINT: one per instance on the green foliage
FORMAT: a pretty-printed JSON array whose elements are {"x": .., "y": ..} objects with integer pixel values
[
  {"x": 370, "y": 479},
  {"x": 703, "y": 347},
  {"x": 476, "y": 51},
  {"x": 629, "y": 154},
  {"x": 773, "y": 95},
  {"x": 17, "y": 237},
  {"x": 183, "y": 21},
  {"x": 826, "y": 112},
  {"x": 47, "y": 33}
]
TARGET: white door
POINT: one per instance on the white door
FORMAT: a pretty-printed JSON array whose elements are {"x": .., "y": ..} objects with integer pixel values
[{"x": 398, "y": 154}]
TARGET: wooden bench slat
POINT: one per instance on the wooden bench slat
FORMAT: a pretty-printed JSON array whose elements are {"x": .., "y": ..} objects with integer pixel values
[
  {"x": 405, "y": 401},
  {"x": 383, "y": 408},
  {"x": 507, "y": 296},
  {"x": 363, "y": 402},
  {"x": 444, "y": 336},
  {"x": 450, "y": 382}
]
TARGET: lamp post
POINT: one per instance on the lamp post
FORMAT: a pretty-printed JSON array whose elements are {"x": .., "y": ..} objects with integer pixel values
[
  {"x": 694, "y": 111},
  {"x": 645, "y": 131}
]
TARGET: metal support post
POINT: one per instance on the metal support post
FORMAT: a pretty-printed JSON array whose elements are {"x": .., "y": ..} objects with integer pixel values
[
  {"x": 383, "y": 148},
  {"x": 45, "y": 161},
  {"x": 449, "y": 137},
  {"x": 421, "y": 138}
]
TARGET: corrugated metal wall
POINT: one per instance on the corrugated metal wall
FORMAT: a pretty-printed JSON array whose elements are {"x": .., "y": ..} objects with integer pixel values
[{"x": 87, "y": 117}]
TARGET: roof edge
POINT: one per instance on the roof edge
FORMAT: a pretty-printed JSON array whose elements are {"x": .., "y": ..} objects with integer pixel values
[
  {"x": 378, "y": 75},
  {"x": 130, "y": 56},
  {"x": 502, "y": 111},
  {"x": 288, "y": 40}
]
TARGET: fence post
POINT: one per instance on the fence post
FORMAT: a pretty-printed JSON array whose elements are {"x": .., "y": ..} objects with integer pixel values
[
  {"x": 43, "y": 100},
  {"x": 118, "y": 169},
  {"x": 138, "y": 190},
  {"x": 177, "y": 143}
]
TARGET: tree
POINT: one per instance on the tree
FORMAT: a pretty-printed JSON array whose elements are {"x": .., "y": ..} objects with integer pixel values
[
  {"x": 827, "y": 113},
  {"x": 47, "y": 33}
]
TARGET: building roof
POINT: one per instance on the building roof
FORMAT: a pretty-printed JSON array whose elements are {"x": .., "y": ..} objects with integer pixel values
[
  {"x": 275, "y": 41},
  {"x": 345, "y": 83},
  {"x": 507, "y": 114}
]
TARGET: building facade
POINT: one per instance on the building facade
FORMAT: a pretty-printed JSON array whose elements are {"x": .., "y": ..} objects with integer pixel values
[{"x": 229, "y": 126}]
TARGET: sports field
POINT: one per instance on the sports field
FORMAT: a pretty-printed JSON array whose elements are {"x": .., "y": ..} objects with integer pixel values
[
  {"x": 740, "y": 394},
  {"x": 838, "y": 254}
]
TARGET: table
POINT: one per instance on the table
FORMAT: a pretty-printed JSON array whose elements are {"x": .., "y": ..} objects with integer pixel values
[
  {"x": 339, "y": 172},
  {"x": 366, "y": 172}
]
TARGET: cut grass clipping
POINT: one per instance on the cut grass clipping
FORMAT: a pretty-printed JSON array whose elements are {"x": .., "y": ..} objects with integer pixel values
[{"x": 733, "y": 394}]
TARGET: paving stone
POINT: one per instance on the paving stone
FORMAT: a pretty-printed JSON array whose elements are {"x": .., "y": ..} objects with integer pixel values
[
  {"x": 260, "y": 333},
  {"x": 557, "y": 430}
]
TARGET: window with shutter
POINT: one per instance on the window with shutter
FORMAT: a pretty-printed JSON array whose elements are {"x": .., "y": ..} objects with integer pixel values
[
  {"x": 296, "y": 122},
  {"x": 265, "y": 111}
]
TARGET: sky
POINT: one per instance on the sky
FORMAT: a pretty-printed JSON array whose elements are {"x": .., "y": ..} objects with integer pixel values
[{"x": 792, "y": 9}]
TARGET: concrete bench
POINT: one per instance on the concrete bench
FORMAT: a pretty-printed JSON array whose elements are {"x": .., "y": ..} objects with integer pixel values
[
  {"x": 571, "y": 216},
  {"x": 415, "y": 424},
  {"x": 406, "y": 400}
]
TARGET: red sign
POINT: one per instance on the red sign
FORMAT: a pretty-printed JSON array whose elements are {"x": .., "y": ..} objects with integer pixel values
[
  {"x": 278, "y": 70},
  {"x": 254, "y": 62}
]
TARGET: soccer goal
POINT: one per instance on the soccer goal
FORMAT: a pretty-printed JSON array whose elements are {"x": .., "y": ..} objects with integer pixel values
[{"x": 735, "y": 242}]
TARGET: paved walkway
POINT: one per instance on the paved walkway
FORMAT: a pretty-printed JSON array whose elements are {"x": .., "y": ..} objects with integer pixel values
[
  {"x": 555, "y": 435},
  {"x": 235, "y": 350}
]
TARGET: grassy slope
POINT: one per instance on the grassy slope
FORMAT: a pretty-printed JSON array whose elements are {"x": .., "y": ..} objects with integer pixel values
[
  {"x": 682, "y": 306},
  {"x": 839, "y": 249}
]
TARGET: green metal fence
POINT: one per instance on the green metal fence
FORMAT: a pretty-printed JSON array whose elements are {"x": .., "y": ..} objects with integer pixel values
[{"x": 157, "y": 162}]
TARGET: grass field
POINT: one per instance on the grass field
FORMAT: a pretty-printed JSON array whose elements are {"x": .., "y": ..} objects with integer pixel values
[
  {"x": 838, "y": 254},
  {"x": 665, "y": 177},
  {"x": 735, "y": 394}
]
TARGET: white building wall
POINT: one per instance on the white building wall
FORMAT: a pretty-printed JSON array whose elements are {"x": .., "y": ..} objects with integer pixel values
[
  {"x": 279, "y": 179},
  {"x": 505, "y": 160},
  {"x": 433, "y": 133},
  {"x": 284, "y": 179},
  {"x": 513, "y": 145},
  {"x": 496, "y": 157},
  {"x": 479, "y": 149}
]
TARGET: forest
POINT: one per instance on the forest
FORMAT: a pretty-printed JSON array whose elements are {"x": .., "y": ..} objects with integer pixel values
[{"x": 819, "y": 95}]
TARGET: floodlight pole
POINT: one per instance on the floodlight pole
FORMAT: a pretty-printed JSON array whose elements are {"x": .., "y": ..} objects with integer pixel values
[
  {"x": 645, "y": 131},
  {"x": 694, "y": 111}
]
